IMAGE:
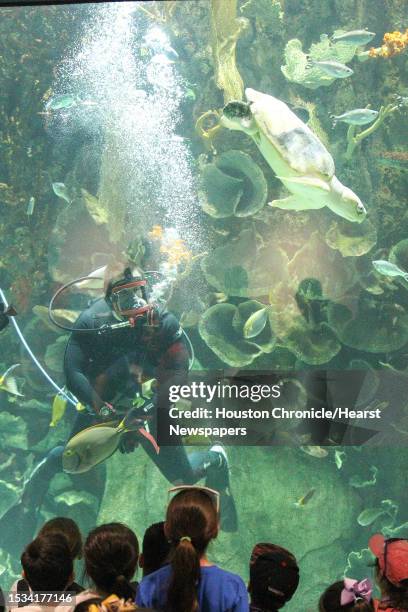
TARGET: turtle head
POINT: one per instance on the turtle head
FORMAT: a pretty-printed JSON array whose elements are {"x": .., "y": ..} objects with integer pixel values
[
  {"x": 236, "y": 115},
  {"x": 346, "y": 203}
]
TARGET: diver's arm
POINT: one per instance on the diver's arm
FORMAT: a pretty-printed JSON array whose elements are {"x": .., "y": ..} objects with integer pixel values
[{"x": 77, "y": 382}]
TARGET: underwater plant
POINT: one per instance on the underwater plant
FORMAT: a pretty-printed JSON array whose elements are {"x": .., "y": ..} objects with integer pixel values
[
  {"x": 222, "y": 329},
  {"x": 268, "y": 14},
  {"x": 232, "y": 184},
  {"x": 301, "y": 67},
  {"x": 354, "y": 138},
  {"x": 351, "y": 239},
  {"x": 225, "y": 31}
]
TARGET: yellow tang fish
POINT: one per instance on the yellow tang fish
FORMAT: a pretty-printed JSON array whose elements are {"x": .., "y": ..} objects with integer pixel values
[
  {"x": 306, "y": 498},
  {"x": 95, "y": 444},
  {"x": 59, "y": 406},
  {"x": 8, "y": 383}
]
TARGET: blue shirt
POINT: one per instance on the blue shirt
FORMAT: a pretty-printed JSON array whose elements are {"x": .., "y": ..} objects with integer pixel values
[{"x": 218, "y": 591}]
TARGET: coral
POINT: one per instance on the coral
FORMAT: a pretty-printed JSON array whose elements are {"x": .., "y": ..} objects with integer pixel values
[
  {"x": 389, "y": 321},
  {"x": 233, "y": 184},
  {"x": 225, "y": 31},
  {"x": 313, "y": 344},
  {"x": 246, "y": 266},
  {"x": 221, "y": 328},
  {"x": 296, "y": 67},
  {"x": 394, "y": 43},
  {"x": 352, "y": 239},
  {"x": 268, "y": 14},
  {"x": 207, "y": 134}
]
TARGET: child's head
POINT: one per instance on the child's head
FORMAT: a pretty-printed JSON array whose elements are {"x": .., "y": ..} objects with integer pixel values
[
  {"x": 274, "y": 576},
  {"x": 69, "y": 529},
  {"x": 347, "y": 595},
  {"x": 392, "y": 568},
  {"x": 191, "y": 523},
  {"x": 111, "y": 553},
  {"x": 155, "y": 549},
  {"x": 47, "y": 563}
]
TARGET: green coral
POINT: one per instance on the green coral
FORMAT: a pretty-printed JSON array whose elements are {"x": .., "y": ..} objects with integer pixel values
[
  {"x": 296, "y": 67},
  {"x": 233, "y": 184},
  {"x": 221, "y": 328},
  {"x": 313, "y": 344},
  {"x": 351, "y": 239}
]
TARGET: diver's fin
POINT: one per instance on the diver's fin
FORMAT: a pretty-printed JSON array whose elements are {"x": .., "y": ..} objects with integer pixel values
[
  {"x": 295, "y": 203},
  {"x": 307, "y": 181}
]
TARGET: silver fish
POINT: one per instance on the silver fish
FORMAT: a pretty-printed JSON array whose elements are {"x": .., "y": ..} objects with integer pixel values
[
  {"x": 332, "y": 69},
  {"x": 358, "y": 116},
  {"x": 355, "y": 37},
  {"x": 61, "y": 190},
  {"x": 386, "y": 268},
  {"x": 30, "y": 207}
]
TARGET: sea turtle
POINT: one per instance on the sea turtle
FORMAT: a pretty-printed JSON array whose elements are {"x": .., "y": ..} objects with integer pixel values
[{"x": 295, "y": 154}]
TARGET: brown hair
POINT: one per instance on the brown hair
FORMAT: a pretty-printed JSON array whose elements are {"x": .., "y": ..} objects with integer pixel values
[
  {"x": 397, "y": 596},
  {"x": 69, "y": 529},
  {"x": 47, "y": 563},
  {"x": 111, "y": 552},
  {"x": 191, "y": 523}
]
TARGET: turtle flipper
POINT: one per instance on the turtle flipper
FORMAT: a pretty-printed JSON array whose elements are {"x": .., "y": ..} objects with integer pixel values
[{"x": 295, "y": 203}]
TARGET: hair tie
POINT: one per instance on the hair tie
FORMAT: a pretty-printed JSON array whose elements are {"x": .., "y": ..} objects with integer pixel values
[
  {"x": 187, "y": 538},
  {"x": 355, "y": 590}
]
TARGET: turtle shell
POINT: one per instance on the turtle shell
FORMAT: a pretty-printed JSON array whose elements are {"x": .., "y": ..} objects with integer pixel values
[{"x": 292, "y": 138}]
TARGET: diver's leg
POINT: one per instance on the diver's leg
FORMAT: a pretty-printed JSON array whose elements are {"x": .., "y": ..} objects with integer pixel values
[{"x": 295, "y": 203}]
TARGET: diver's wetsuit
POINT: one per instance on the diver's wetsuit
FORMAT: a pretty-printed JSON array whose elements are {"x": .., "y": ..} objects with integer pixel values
[{"x": 98, "y": 365}]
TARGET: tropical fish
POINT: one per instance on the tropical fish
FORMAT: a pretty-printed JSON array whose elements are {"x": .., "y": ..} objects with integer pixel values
[
  {"x": 358, "y": 116},
  {"x": 5, "y": 313},
  {"x": 339, "y": 457},
  {"x": 386, "y": 268},
  {"x": 331, "y": 68},
  {"x": 255, "y": 324},
  {"x": 189, "y": 94},
  {"x": 61, "y": 102},
  {"x": 59, "y": 406},
  {"x": 355, "y": 37},
  {"x": 305, "y": 499},
  {"x": 30, "y": 207},
  {"x": 156, "y": 40},
  {"x": 315, "y": 451},
  {"x": 95, "y": 444},
  {"x": 8, "y": 383},
  {"x": 61, "y": 190}
]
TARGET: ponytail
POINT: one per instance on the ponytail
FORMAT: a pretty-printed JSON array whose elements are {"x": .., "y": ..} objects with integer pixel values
[
  {"x": 191, "y": 523},
  {"x": 182, "y": 593},
  {"x": 122, "y": 588}
]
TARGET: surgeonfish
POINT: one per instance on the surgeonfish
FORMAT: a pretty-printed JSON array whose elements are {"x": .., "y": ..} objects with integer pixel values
[
  {"x": 358, "y": 116},
  {"x": 95, "y": 444},
  {"x": 8, "y": 383},
  {"x": 89, "y": 283},
  {"x": 59, "y": 405},
  {"x": 30, "y": 207},
  {"x": 315, "y": 451}
]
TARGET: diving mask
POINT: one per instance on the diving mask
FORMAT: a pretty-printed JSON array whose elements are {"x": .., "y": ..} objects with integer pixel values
[{"x": 130, "y": 300}]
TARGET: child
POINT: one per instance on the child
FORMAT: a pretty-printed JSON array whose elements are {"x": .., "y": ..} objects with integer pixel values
[
  {"x": 47, "y": 567},
  {"x": 347, "y": 595},
  {"x": 69, "y": 529},
  {"x": 155, "y": 549},
  {"x": 111, "y": 554},
  {"x": 274, "y": 577},
  {"x": 191, "y": 581},
  {"x": 391, "y": 572}
]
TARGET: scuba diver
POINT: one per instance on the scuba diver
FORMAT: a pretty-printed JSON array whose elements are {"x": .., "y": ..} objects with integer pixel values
[{"x": 116, "y": 341}]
